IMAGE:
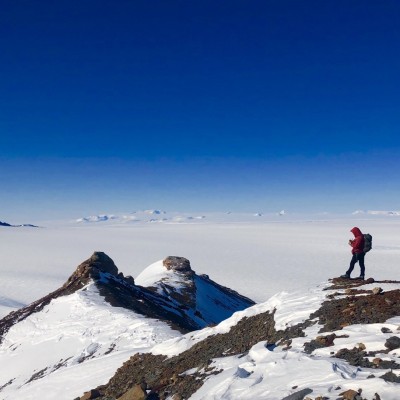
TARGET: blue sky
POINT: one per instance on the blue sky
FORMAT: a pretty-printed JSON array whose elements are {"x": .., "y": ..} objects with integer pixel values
[{"x": 183, "y": 105}]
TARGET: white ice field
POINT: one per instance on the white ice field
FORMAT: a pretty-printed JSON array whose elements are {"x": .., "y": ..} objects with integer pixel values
[{"x": 257, "y": 256}]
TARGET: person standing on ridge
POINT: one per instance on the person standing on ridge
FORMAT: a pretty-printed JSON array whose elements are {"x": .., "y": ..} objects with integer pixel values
[{"x": 357, "y": 250}]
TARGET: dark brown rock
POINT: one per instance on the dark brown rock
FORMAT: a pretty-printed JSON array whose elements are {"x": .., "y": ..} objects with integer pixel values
[
  {"x": 319, "y": 342},
  {"x": 91, "y": 394},
  {"x": 179, "y": 264},
  {"x": 335, "y": 314},
  {"x": 350, "y": 395},
  {"x": 393, "y": 343},
  {"x": 135, "y": 393},
  {"x": 390, "y": 377}
]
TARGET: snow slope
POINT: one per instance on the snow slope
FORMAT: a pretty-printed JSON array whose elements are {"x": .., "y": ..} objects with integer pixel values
[
  {"x": 273, "y": 373},
  {"x": 274, "y": 370},
  {"x": 75, "y": 342}
]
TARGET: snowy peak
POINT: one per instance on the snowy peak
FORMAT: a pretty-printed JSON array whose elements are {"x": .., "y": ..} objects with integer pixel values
[{"x": 205, "y": 301}]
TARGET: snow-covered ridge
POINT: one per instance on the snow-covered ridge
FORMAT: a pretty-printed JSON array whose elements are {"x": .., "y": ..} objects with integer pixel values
[
  {"x": 17, "y": 226},
  {"x": 97, "y": 218},
  {"x": 82, "y": 332}
]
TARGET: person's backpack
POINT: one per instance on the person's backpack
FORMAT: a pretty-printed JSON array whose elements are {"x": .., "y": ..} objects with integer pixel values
[{"x": 367, "y": 242}]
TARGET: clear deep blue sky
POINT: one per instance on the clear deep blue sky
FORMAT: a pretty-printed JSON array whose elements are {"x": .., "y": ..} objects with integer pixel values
[{"x": 198, "y": 105}]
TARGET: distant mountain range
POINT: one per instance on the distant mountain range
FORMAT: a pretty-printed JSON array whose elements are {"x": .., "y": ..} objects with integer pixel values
[
  {"x": 377, "y": 212},
  {"x": 27, "y": 225}
]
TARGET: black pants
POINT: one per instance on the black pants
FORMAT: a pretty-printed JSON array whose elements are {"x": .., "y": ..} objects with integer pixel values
[{"x": 360, "y": 258}]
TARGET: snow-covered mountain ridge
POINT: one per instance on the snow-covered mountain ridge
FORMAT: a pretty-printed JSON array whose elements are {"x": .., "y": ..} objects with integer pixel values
[
  {"x": 338, "y": 341},
  {"x": 78, "y": 335},
  {"x": 17, "y": 226}
]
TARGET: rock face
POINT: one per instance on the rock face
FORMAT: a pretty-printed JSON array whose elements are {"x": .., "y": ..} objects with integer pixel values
[
  {"x": 99, "y": 263},
  {"x": 205, "y": 301},
  {"x": 179, "y": 264}
]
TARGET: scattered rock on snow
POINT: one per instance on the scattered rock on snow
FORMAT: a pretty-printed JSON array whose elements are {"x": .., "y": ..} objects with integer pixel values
[
  {"x": 393, "y": 343},
  {"x": 390, "y": 377}
]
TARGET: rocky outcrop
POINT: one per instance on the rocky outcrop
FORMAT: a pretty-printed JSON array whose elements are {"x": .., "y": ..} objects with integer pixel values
[
  {"x": 179, "y": 264},
  {"x": 369, "y": 308}
]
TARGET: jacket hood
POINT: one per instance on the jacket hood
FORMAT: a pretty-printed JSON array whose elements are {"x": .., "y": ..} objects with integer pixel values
[{"x": 356, "y": 231}]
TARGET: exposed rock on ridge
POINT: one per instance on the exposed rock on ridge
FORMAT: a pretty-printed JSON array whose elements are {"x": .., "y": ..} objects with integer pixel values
[
  {"x": 180, "y": 264},
  {"x": 165, "y": 376},
  {"x": 204, "y": 300},
  {"x": 121, "y": 291}
]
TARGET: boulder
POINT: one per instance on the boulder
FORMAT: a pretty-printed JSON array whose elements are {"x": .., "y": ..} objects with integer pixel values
[
  {"x": 392, "y": 343},
  {"x": 135, "y": 393},
  {"x": 350, "y": 395},
  {"x": 377, "y": 290},
  {"x": 91, "y": 394}
]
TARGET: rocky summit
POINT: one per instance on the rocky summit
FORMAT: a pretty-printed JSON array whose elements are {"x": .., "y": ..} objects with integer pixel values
[{"x": 180, "y": 264}]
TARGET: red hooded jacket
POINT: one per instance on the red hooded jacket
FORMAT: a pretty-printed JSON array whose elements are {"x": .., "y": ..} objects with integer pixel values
[{"x": 358, "y": 243}]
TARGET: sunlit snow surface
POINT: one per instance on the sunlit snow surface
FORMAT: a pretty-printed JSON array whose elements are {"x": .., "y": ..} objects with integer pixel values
[
  {"x": 278, "y": 261},
  {"x": 75, "y": 343},
  {"x": 273, "y": 374}
]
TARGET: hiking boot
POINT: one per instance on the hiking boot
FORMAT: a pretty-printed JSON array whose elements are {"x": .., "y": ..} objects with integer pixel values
[
  {"x": 345, "y": 276},
  {"x": 361, "y": 277}
]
